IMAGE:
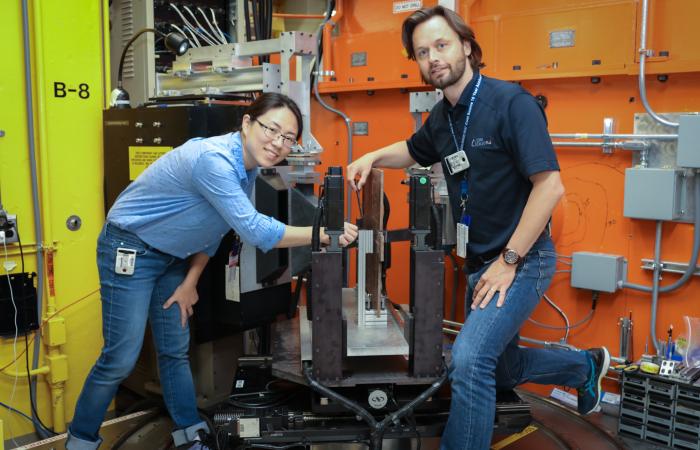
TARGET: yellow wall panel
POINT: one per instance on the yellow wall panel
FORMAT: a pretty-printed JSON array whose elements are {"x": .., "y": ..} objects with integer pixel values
[{"x": 66, "y": 43}]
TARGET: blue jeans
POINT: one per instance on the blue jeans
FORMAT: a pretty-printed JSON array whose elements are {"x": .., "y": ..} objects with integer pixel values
[
  {"x": 486, "y": 355},
  {"x": 128, "y": 301}
]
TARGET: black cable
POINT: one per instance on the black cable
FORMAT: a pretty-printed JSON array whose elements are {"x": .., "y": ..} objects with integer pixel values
[
  {"x": 266, "y": 398},
  {"x": 296, "y": 296},
  {"x": 386, "y": 264},
  {"x": 269, "y": 19},
  {"x": 411, "y": 420},
  {"x": 377, "y": 428},
  {"x": 246, "y": 13},
  {"x": 278, "y": 399},
  {"x": 278, "y": 447},
  {"x": 387, "y": 210},
  {"x": 437, "y": 232},
  {"x": 316, "y": 227},
  {"x": 258, "y": 26},
  {"x": 17, "y": 411},
  {"x": 210, "y": 423},
  {"x": 256, "y": 20}
]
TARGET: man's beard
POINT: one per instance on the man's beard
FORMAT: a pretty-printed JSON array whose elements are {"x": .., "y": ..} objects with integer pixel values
[{"x": 447, "y": 80}]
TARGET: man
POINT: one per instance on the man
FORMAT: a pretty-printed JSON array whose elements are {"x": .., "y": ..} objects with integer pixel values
[{"x": 503, "y": 179}]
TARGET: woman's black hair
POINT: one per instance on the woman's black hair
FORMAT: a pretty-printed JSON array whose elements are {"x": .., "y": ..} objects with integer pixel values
[{"x": 273, "y": 100}]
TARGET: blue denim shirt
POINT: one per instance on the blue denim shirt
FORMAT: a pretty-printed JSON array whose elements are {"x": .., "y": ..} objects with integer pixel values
[{"x": 188, "y": 199}]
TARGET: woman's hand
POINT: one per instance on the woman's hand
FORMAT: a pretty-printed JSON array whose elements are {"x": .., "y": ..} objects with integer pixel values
[
  {"x": 348, "y": 237},
  {"x": 186, "y": 297},
  {"x": 349, "y": 234}
]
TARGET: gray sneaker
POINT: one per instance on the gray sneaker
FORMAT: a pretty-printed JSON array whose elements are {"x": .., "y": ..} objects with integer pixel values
[{"x": 590, "y": 393}]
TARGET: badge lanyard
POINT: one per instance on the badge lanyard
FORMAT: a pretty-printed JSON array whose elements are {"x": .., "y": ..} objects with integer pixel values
[
  {"x": 465, "y": 219},
  {"x": 460, "y": 147}
]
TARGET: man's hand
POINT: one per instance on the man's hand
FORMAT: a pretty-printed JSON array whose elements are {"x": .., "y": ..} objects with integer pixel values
[
  {"x": 348, "y": 237},
  {"x": 497, "y": 278},
  {"x": 185, "y": 296},
  {"x": 361, "y": 167}
]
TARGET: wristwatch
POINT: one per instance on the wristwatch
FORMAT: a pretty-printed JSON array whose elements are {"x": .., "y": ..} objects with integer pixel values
[{"x": 511, "y": 257}]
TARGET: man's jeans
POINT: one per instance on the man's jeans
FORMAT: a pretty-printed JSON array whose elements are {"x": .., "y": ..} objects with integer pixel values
[
  {"x": 127, "y": 302},
  {"x": 486, "y": 355}
]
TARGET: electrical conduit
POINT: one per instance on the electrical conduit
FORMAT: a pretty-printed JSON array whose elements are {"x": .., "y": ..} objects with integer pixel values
[
  {"x": 346, "y": 119},
  {"x": 35, "y": 203},
  {"x": 643, "y": 53},
  {"x": 694, "y": 254}
]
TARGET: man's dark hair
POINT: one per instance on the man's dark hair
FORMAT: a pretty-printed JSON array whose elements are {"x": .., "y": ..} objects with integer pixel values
[
  {"x": 273, "y": 100},
  {"x": 465, "y": 33}
]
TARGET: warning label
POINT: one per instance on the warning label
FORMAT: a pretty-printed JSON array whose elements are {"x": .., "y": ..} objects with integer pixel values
[
  {"x": 142, "y": 157},
  {"x": 404, "y": 6}
]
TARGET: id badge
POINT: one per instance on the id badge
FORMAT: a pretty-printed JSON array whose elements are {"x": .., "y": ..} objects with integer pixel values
[
  {"x": 457, "y": 162},
  {"x": 462, "y": 239},
  {"x": 233, "y": 283},
  {"x": 125, "y": 261},
  {"x": 233, "y": 273}
]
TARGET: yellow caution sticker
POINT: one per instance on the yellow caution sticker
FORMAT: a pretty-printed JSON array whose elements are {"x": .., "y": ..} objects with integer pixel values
[
  {"x": 513, "y": 438},
  {"x": 142, "y": 157}
]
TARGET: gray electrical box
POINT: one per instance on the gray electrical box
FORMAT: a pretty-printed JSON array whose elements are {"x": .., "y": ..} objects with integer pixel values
[
  {"x": 688, "y": 154},
  {"x": 598, "y": 271},
  {"x": 653, "y": 194}
]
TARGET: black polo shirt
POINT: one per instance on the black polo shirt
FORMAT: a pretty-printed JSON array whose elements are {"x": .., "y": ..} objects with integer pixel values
[{"x": 506, "y": 143}]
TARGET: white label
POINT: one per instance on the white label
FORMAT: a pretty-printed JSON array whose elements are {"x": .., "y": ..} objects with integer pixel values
[
  {"x": 404, "y": 6},
  {"x": 610, "y": 398},
  {"x": 240, "y": 384},
  {"x": 377, "y": 399},
  {"x": 462, "y": 239},
  {"x": 562, "y": 39},
  {"x": 457, "y": 162},
  {"x": 233, "y": 283},
  {"x": 125, "y": 261},
  {"x": 567, "y": 398},
  {"x": 249, "y": 427}
]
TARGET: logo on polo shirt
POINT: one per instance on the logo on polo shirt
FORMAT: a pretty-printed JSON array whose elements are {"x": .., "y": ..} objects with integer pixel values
[{"x": 482, "y": 141}]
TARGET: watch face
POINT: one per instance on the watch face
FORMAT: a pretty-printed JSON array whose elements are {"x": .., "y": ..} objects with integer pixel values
[{"x": 511, "y": 256}]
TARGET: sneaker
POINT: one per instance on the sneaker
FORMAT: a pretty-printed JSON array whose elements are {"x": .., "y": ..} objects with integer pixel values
[
  {"x": 203, "y": 441},
  {"x": 589, "y": 394}
]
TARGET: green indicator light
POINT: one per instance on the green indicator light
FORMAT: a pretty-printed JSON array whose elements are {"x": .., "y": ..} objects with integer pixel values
[{"x": 423, "y": 180}]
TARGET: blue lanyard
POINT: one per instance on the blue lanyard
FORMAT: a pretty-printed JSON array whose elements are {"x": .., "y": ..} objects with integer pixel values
[
  {"x": 464, "y": 186},
  {"x": 464, "y": 198},
  {"x": 466, "y": 120}
]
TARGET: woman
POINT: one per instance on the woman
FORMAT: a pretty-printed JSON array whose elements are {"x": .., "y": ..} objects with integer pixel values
[{"x": 159, "y": 235}]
